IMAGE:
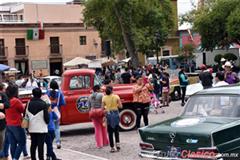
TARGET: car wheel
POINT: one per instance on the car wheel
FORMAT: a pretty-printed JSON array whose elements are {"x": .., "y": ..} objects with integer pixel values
[
  {"x": 176, "y": 94},
  {"x": 127, "y": 119}
]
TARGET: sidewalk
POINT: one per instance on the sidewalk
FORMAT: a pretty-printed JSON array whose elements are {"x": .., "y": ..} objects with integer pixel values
[{"x": 68, "y": 154}]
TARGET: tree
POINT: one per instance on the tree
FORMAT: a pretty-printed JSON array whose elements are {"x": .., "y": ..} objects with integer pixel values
[
  {"x": 213, "y": 24},
  {"x": 217, "y": 23},
  {"x": 130, "y": 24},
  {"x": 218, "y": 58},
  {"x": 230, "y": 57}
]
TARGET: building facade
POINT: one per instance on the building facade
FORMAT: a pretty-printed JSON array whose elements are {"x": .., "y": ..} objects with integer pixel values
[{"x": 41, "y": 37}]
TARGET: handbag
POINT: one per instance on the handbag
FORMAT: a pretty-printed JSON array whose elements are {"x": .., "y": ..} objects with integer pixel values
[
  {"x": 96, "y": 113},
  {"x": 25, "y": 121},
  {"x": 165, "y": 90}
]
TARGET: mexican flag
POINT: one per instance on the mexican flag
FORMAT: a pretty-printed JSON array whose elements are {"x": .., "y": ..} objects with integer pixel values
[{"x": 35, "y": 34}]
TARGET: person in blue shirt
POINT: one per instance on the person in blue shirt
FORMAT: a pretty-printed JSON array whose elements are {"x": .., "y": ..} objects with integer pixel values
[
  {"x": 54, "y": 115},
  {"x": 183, "y": 80},
  {"x": 57, "y": 100}
]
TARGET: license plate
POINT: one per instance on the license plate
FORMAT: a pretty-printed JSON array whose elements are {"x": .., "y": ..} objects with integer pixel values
[{"x": 173, "y": 152}]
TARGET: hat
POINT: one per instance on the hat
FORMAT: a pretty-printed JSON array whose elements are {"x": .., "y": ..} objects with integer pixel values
[
  {"x": 203, "y": 67},
  {"x": 223, "y": 60},
  {"x": 227, "y": 64}
]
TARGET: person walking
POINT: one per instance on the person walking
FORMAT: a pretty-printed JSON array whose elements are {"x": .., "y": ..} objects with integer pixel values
[
  {"x": 37, "y": 114},
  {"x": 205, "y": 77},
  {"x": 15, "y": 132},
  {"x": 95, "y": 104},
  {"x": 183, "y": 80},
  {"x": 54, "y": 115},
  {"x": 57, "y": 99},
  {"x": 142, "y": 99},
  {"x": 4, "y": 104},
  {"x": 111, "y": 104},
  {"x": 165, "y": 89}
]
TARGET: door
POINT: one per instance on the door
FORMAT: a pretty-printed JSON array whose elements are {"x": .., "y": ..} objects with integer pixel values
[
  {"x": 22, "y": 66},
  {"x": 79, "y": 89},
  {"x": 56, "y": 67},
  {"x": 54, "y": 45}
]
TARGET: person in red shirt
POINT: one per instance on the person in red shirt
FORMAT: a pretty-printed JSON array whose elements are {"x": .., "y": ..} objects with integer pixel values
[{"x": 16, "y": 133}]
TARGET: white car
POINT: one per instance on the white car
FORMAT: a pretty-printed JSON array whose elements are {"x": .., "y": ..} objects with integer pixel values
[{"x": 55, "y": 78}]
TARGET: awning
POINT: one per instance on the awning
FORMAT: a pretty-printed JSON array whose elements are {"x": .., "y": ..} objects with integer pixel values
[
  {"x": 77, "y": 61},
  {"x": 107, "y": 61},
  {"x": 95, "y": 64},
  {"x": 12, "y": 71},
  {"x": 126, "y": 60}
]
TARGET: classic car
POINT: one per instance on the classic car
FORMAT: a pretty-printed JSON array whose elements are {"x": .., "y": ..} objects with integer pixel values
[{"x": 208, "y": 128}]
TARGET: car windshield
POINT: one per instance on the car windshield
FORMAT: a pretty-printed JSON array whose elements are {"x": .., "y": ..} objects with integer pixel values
[{"x": 213, "y": 106}]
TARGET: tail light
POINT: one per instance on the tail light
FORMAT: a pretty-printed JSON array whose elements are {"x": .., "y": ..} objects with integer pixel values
[{"x": 146, "y": 146}]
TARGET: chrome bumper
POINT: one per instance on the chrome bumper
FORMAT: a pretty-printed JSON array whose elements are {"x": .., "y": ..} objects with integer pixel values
[{"x": 157, "y": 155}]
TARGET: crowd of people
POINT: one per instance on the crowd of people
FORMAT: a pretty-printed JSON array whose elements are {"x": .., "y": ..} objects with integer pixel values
[
  {"x": 224, "y": 76},
  {"x": 42, "y": 114}
]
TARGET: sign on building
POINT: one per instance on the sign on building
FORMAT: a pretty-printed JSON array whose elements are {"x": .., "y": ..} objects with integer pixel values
[{"x": 39, "y": 64}]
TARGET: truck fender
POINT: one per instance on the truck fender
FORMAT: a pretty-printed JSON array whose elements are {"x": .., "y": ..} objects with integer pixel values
[{"x": 128, "y": 119}]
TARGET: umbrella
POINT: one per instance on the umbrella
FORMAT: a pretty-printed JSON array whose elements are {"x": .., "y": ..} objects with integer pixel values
[
  {"x": 126, "y": 60},
  {"x": 12, "y": 71},
  {"x": 4, "y": 67},
  {"x": 106, "y": 61},
  {"x": 95, "y": 64},
  {"x": 77, "y": 61}
]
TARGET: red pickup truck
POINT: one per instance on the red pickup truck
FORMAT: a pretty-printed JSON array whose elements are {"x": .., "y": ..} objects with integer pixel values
[{"x": 77, "y": 86}]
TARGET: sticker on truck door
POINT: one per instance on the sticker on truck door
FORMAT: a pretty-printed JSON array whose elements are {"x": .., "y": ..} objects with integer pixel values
[{"x": 82, "y": 104}]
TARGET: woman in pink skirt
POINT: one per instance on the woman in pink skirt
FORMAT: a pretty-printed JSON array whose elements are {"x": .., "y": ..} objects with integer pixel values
[{"x": 95, "y": 103}]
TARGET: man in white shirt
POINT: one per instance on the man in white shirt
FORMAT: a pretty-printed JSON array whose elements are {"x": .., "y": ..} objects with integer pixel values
[{"x": 219, "y": 78}]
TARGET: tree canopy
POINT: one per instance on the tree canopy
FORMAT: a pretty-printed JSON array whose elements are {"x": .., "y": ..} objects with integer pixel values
[
  {"x": 217, "y": 22},
  {"x": 131, "y": 24}
]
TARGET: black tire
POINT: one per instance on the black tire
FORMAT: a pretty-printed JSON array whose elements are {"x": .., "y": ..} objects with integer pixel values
[
  {"x": 128, "y": 119},
  {"x": 176, "y": 94}
]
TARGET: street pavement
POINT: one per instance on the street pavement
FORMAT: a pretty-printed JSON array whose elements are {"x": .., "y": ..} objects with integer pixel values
[{"x": 78, "y": 142}]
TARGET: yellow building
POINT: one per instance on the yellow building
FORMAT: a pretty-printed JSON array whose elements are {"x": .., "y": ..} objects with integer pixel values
[{"x": 41, "y": 37}]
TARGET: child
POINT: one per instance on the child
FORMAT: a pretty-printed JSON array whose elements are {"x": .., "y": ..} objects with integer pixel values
[
  {"x": 54, "y": 115},
  {"x": 165, "y": 89}
]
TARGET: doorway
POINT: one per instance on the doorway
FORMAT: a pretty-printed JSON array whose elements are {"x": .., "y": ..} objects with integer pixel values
[{"x": 56, "y": 67}]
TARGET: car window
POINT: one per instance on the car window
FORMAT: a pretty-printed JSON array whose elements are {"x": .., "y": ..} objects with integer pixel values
[
  {"x": 80, "y": 82},
  {"x": 213, "y": 105},
  {"x": 97, "y": 81}
]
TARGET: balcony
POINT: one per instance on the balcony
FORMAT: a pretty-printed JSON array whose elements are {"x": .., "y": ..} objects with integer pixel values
[
  {"x": 55, "y": 49},
  {"x": 3, "y": 52},
  {"x": 22, "y": 51}
]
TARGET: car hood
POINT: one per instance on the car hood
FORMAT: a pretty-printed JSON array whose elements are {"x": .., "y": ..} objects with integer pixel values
[{"x": 190, "y": 133}]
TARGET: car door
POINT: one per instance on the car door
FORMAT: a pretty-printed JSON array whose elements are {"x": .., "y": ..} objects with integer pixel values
[{"x": 79, "y": 89}]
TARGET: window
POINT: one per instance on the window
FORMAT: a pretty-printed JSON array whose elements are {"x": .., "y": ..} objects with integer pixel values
[
  {"x": 83, "y": 40},
  {"x": 2, "y": 48},
  {"x": 20, "y": 46},
  {"x": 54, "y": 45},
  {"x": 97, "y": 81},
  {"x": 80, "y": 82},
  {"x": 166, "y": 52}
]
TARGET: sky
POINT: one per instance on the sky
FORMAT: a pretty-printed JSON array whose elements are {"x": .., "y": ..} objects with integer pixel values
[{"x": 183, "y": 5}]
